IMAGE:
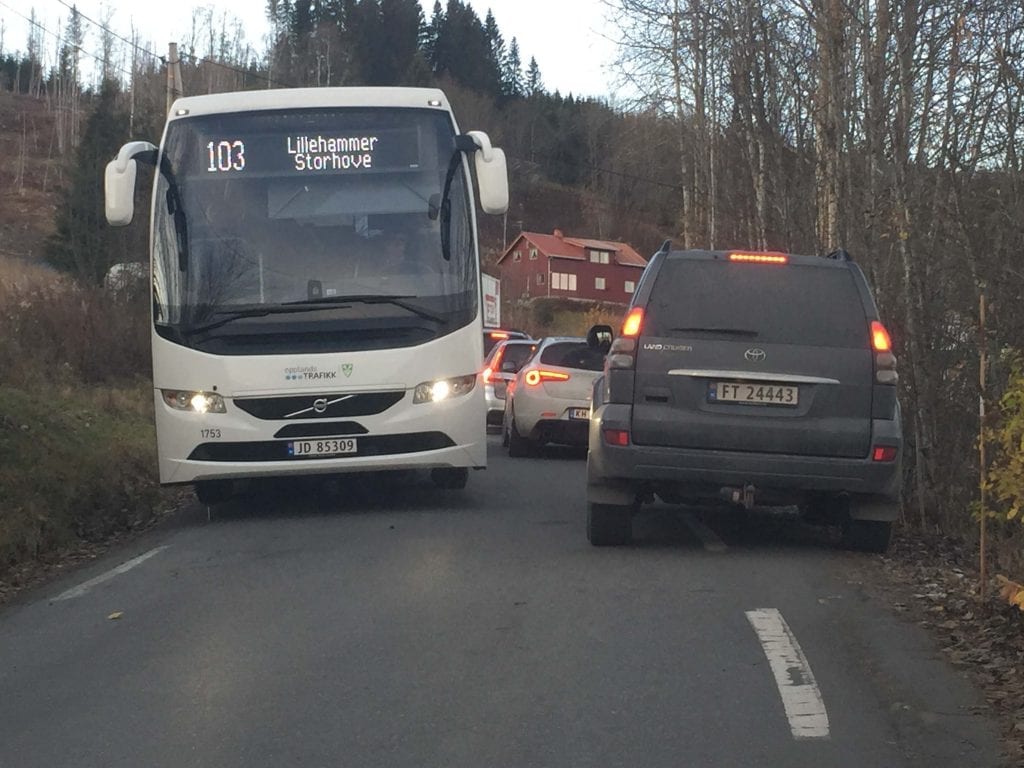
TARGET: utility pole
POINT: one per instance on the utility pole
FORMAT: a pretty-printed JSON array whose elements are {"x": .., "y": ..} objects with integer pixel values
[
  {"x": 174, "y": 84},
  {"x": 983, "y": 470}
]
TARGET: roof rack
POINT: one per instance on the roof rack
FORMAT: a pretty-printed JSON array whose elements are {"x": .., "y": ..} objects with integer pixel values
[{"x": 839, "y": 254}]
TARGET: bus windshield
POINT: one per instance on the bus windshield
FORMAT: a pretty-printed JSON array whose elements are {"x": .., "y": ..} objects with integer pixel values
[{"x": 317, "y": 229}]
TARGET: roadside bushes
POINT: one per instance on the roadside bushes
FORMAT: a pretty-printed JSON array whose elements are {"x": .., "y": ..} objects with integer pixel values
[
  {"x": 77, "y": 444},
  {"x": 59, "y": 332}
]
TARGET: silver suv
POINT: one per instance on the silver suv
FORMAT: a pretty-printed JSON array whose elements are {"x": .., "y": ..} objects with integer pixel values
[{"x": 748, "y": 378}]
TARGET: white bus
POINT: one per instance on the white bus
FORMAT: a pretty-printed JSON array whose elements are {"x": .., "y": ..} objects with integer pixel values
[{"x": 316, "y": 284}]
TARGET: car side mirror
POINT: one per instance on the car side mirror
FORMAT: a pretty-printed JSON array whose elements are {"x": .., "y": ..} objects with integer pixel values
[
  {"x": 509, "y": 367},
  {"x": 599, "y": 338}
]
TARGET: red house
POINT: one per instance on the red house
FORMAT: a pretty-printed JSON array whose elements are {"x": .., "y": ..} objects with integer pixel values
[{"x": 537, "y": 265}]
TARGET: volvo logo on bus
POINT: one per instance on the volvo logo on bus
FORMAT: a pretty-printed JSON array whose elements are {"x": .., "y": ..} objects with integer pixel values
[
  {"x": 320, "y": 404},
  {"x": 755, "y": 355}
]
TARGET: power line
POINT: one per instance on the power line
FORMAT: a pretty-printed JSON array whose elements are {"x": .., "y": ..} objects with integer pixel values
[
  {"x": 197, "y": 59},
  {"x": 57, "y": 37},
  {"x": 123, "y": 39}
]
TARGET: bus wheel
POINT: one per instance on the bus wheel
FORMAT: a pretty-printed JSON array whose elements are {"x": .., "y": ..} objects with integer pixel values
[
  {"x": 213, "y": 491},
  {"x": 450, "y": 477}
]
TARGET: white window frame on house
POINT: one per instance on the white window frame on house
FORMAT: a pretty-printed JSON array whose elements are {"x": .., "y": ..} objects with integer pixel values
[
  {"x": 540, "y": 278},
  {"x": 533, "y": 254},
  {"x": 599, "y": 257},
  {"x": 599, "y": 284},
  {"x": 563, "y": 281},
  {"x": 517, "y": 255},
  {"x": 630, "y": 286}
]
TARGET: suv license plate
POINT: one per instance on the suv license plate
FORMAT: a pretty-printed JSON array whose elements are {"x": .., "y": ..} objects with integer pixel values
[
  {"x": 332, "y": 446},
  {"x": 755, "y": 394},
  {"x": 579, "y": 413}
]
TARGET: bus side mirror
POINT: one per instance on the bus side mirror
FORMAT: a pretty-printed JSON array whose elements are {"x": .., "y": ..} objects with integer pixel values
[
  {"x": 119, "y": 182},
  {"x": 119, "y": 193},
  {"x": 491, "y": 174}
]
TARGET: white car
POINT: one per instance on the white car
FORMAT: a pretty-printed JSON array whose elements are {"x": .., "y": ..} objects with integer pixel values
[{"x": 549, "y": 399}]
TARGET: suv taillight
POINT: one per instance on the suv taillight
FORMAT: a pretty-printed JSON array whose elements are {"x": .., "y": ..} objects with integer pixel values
[
  {"x": 622, "y": 353},
  {"x": 885, "y": 360}
]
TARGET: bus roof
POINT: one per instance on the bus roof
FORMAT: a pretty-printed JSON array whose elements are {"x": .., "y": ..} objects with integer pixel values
[{"x": 303, "y": 98}]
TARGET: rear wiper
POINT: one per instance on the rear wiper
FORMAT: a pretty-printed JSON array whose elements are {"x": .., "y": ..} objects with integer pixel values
[
  {"x": 369, "y": 298},
  {"x": 709, "y": 329}
]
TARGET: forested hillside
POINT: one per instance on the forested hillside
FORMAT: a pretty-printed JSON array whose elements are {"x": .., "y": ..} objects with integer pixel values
[{"x": 891, "y": 129}]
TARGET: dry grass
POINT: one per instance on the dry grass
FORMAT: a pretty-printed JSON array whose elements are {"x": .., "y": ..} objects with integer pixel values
[
  {"x": 561, "y": 317},
  {"x": 54, "y": 331}
]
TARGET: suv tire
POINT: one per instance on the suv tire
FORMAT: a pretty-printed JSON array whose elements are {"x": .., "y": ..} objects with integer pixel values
[
  {"x": 867, "y": 535},
  {"x": 450, "y": 478},
  {"x": 609, "y": 525}
]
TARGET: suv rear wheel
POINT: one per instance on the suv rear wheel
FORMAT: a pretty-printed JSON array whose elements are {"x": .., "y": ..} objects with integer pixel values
[
  {"x": 609, "y": 525},
  {"x": 867, "y": 535}
]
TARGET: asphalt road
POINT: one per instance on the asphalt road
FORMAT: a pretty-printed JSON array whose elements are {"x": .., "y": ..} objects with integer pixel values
[{"x": 392, "y": 624}]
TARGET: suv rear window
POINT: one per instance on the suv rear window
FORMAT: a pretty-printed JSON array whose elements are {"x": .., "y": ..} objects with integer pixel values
[
  {"x": 572, "y": 354},
  {"x": 781, "y": 304}
]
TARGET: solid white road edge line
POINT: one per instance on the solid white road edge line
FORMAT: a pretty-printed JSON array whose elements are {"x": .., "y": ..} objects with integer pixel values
[
  {"x": 85, "y": 586},
  {"x": 805, "y": 709},
  {"x": 710, "y": 539}
]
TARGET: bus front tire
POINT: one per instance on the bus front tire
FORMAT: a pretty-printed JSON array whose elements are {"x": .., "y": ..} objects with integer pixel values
[{"x": 211, "y": 492}]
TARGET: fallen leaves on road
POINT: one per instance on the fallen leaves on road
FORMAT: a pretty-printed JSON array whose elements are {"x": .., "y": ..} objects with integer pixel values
[
  {"x": 937, "y": 584},
  {"x": 1011, "y": 592}
]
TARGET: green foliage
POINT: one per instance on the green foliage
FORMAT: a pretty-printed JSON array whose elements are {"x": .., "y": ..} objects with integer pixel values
[
  {"x": 1006, "y": 474},
  {"x": 78, "y": 464},
  {"x": 83, "y": 244}
]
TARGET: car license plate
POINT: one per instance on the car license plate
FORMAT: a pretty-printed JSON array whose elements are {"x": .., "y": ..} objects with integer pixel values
[
  {"x": 579, "y": 413},
  {"x": 328, "y": 446},
  {"x": 755, "y": 394}
]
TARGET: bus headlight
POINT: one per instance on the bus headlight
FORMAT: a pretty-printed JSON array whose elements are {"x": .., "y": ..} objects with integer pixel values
[
  {"x": 197, "y": 402},
  {"x": 443, "y": 389}
]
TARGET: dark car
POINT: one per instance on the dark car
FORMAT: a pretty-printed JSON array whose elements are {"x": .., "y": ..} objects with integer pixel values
[
  {"x": 749, "y": 378},
  {"x": 493, "y": 336}
]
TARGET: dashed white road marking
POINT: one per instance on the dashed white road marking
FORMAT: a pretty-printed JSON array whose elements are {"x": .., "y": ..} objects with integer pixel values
[
  {"x": 85, "y": 586},
  {"x": 710, "y": 539},
  {"x": 805, "y": 708}
]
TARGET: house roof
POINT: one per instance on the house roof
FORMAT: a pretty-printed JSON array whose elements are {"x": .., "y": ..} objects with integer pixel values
[{"x": 557, "y": 246}]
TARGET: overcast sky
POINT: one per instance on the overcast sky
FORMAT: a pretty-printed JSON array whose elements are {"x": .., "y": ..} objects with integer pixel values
[{"x": 569, "y": 38}]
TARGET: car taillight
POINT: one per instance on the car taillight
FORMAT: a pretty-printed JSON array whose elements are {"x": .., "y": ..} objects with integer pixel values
[
  {"x": 759, "y": 258},
  {"x": 880, "y": 340},
  {"x": 883, "y": 453},
  {"x": 487, "y": 374},
  {"x": 616, "y": 436},
  {"x": 885, "y": 360},
  {"x": 633, "y": 323},
  {"x": 499, "y": 335},
  {"x": 622, "y": 353},
  {"x": 536, "y": 376}
]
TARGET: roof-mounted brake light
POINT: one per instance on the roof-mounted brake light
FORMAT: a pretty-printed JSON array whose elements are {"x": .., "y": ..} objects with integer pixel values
[
  {"x": 634, "y": 321},
  {"x": 759, "y": 258}
]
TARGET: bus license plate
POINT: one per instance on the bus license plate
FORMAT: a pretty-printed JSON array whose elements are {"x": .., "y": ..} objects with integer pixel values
[
  {"x": 328, "y": 446},
  {"x": 579, "y": 413},
  {"x": 755, "y": 394}
]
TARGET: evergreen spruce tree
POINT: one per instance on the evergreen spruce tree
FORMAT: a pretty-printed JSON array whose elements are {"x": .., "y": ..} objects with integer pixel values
[
  {"x": 84, "y": 245},
  {"x": 534, "y": 83}
]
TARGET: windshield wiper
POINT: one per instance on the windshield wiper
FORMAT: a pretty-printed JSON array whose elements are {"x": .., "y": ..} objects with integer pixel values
[
  {"x": 710, "y": 329},
  {"x": 369, "y": 298},
  {"x": 230, "y": 317}
]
